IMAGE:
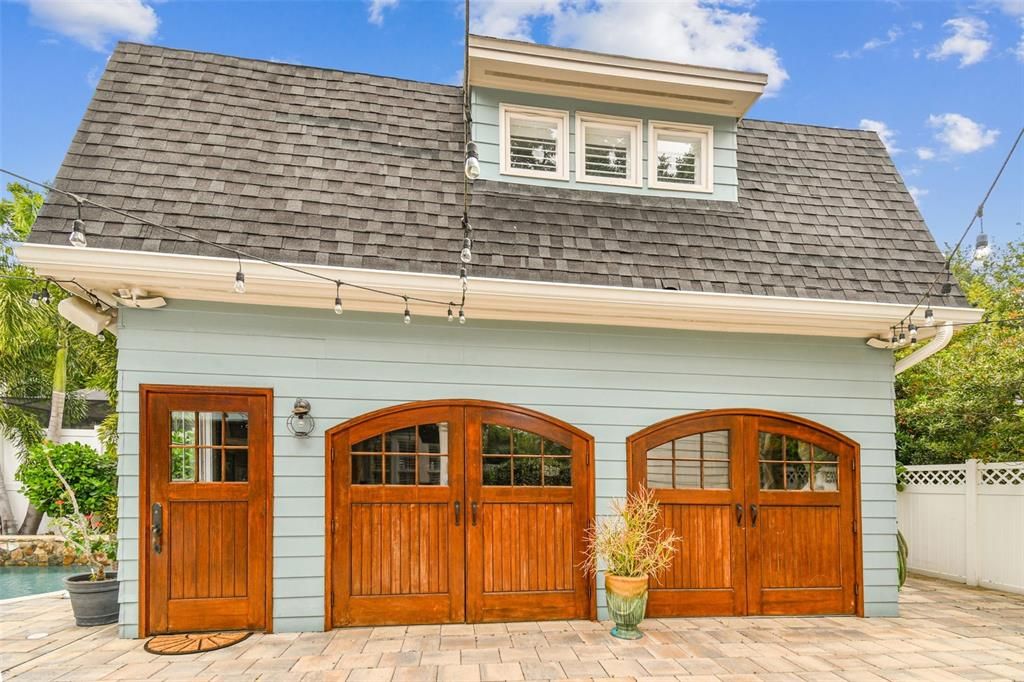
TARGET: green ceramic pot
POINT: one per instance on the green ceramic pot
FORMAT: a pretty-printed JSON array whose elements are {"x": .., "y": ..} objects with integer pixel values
[{"x": 627, "y": 604}]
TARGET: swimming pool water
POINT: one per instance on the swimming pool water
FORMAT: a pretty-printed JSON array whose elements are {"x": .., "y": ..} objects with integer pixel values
[{"x": 21, "y": 581}]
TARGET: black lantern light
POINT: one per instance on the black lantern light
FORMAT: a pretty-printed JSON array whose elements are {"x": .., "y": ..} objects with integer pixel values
[{"x": 300, "y": 421}]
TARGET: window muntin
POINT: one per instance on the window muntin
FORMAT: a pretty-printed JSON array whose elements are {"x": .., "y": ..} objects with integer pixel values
[
  {"x": 209, "y": 447},
  {"x": 514, "y": 457},
  {"x": 414, "y": 455},
  {"x": 680, "y": 156},
  {"x": 608, "y": 150},
  {"x": 534, "y": 142},
  {"x": 697, "y": 461},
  {"x": 788, "y": 463}
]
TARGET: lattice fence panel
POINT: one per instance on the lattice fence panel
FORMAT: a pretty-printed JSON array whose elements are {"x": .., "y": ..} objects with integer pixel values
[
  {"x": 1002, "y": 474},
  {"x": 928, "y": 476}
]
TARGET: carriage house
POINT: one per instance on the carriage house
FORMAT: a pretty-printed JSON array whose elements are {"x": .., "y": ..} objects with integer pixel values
[{"x": 662, "y": 294}]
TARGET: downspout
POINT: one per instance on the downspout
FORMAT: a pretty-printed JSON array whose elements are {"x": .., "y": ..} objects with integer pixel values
[{"x": 939, "y": 341}]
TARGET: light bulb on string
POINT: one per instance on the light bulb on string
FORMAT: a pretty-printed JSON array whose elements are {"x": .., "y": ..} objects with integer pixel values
[
  {"x": 451, "y": 315},
  {"x": 464, "y": 278},
  {"x": 462, "y": 316},
  {"x": 982, "y": 249},
  {"x": 77, "y": 237},
  {"x": 472, "y": 167},
  {"x": 44, "y": 295},
  {"x": 239, "y": 282},
  {"x": 34, "y": 299},
  {"x": 467, "y": 254},
  {"x": 338, "y": 309},
  {"x": 407, "y": 317},
  {"x": 913, "y": 332},
  {"x": 903, "y": 336}
]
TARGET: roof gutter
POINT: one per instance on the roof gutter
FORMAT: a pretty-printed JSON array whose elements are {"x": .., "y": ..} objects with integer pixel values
[{"x": 941, "y": 339}]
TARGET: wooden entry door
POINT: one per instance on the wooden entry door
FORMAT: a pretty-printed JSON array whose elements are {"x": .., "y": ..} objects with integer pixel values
[
  {"x": 206, "y": 473},
  {"x": 455, "y": 511},
  {"x": 766, "y": 504},
  {"x": 695, "y": 468}
]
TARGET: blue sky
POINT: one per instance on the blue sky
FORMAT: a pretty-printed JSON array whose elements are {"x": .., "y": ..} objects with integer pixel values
[{"x": 942, "y": 81}]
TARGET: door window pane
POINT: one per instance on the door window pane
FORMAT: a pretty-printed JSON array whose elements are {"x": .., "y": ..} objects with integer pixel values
[
  {"x": 209, "y": 447},
  {"x": 497, "y": 471},
  {"x": 789, "y": 463},
  {"x": 535, "y": 461},
  {"x": 414, "y": 455},
  {"x": 699, "y": 460}
]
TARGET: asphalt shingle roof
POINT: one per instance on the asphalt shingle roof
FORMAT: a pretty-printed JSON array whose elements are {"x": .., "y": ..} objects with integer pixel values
[{"x": 325, "y": 167}]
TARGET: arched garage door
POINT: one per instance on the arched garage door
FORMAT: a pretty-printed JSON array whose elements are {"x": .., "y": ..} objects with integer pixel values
[
  {"x": 767, "y": 506},
  {"x": 457, "y": 511}
]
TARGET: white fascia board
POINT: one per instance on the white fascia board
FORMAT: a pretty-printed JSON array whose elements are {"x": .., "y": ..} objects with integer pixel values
[{"x": 203, "y": 278}]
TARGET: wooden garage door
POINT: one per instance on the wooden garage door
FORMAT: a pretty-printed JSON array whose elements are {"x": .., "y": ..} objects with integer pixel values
[
  {"x": 766, "y": 505},
  {"x": 457, "y": 511}
]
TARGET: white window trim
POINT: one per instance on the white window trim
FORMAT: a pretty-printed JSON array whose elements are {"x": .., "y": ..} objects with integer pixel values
[
  {"x": 505, "y": 112},
  {"x": 632, "y": 126},
  {"x": 707, "y": 133}
]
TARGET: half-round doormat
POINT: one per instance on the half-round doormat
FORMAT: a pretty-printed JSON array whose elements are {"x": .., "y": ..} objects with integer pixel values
[{"x": 193, "y": 643}]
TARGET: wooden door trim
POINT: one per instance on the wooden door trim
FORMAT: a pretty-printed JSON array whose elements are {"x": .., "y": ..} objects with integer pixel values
[
  {"x": 633, "y": 466},
  {"x": 147, "y": 390},
  {"x": 329, "y": 501}
]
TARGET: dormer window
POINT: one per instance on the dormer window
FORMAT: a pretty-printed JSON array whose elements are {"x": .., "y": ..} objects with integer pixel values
[
  {"x": 608, "y": 150},
  {"x": 534, "y": 142},
  {"x": 680, "y": 157}
]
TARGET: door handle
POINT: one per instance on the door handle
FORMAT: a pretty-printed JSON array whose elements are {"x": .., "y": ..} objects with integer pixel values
[
  {"x": 472, "y": 509},
  {"x": 739, "y": 514},
  {"x": 458, "y": 512},
  {"x": 753, "y": 516},
  {"x": 157, "y": 517}
]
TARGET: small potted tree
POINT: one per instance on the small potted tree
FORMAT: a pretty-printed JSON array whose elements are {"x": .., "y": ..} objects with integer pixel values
[
  {"x": 77, "y": 488},
  {"x": 631, "y": 547}
]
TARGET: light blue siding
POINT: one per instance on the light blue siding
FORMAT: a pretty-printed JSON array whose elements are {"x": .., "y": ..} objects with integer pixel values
[
  {"x": 485, "y": 103},
  {"x": 608, "y": 381}
]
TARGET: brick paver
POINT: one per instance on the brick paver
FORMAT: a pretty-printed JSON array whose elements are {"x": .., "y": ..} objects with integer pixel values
[{"x": 945, "y": 632}]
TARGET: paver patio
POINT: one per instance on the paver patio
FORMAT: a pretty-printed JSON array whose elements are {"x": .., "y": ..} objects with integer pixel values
[{"x": 946, "y": 632}]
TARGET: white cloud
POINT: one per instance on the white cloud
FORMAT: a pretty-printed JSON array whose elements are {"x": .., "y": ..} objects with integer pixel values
[
  {"x": 925, "y": 153},
  {"x": 376, "y": 10},
  {"x": 95, "y": 22},
  {"x": 1019, "y": 50},
  {"x": 891, "y": 36},
  {"x": 960, "y": 134},
  {"x": 1015, "y": 8},
  {"x": 706, "y": 32},
  {"x": 917, "y": 192},
  {"x": 887, "y": 134},
  {"x": 969, "y": 41}
]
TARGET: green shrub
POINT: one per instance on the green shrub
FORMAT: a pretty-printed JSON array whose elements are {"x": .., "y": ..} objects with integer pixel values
[{"x": 92, "y": 475}]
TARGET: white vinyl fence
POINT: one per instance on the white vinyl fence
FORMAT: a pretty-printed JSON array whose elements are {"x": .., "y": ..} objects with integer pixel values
[{"x": 965, "y": 522}]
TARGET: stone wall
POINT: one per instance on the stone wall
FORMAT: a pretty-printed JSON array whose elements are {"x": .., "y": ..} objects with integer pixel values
[{"x": 36, "y": 550}]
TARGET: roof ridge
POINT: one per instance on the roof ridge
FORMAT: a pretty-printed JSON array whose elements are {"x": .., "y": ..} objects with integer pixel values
[
  {"x": 807, "y": 125},
  {"x": 164, "y": 48}
]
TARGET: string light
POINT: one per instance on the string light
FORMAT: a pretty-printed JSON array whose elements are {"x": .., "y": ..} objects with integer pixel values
[
  {"x": 34, "y": 299},
  {"x": 451, "y": 315},
  {"x": 464, "y": 278},
  {"x": 929, "y": 316},
  {"x": 472, "y": 162},
  {"x": 44, "y": 295},
  {"x": 467, "y": 254},
  {"x": 338, "y": 310},
  {"x": 77, "y": 237},
  {"x": 407, "y": 318},
  {"x": 982, "y": 249},
  {"x": 913, "y": 332},
  {"x": 903, "y": 336},
  {"x": 462, "y": 316}
]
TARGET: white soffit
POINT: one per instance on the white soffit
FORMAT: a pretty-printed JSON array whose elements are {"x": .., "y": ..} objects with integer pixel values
[
  {"x": 202, "y": 278},
  {"x": 563, "y": 72}
]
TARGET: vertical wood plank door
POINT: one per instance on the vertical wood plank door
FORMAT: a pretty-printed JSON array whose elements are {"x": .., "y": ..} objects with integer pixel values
[
  {"x": 528, "y": 490},
  {"x": 457, "y": 510},
  {"x": 206, "y": 475},
  {"x": 803, "y": 533},
  {"x": 767, "y": 507},
  {"x": 695, "y": 468},
  {"x": 398, "y": 522}
]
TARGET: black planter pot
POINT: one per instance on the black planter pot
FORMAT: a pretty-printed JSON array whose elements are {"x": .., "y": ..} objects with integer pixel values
[{"x": 94, "y": 602}]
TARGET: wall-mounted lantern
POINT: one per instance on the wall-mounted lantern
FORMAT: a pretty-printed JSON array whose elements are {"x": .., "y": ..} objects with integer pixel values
[{"x": 300, "y": 421}]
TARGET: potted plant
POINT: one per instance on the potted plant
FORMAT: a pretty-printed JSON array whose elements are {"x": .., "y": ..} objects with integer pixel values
[
  {"x": 632, "y": 547},
  {"x": 77, "y": 488}
]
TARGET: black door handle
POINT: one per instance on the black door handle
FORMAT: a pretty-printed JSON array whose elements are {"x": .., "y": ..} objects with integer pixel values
[
  {"x": 458, "y": 512},
  {"x": 157, "y": 517},
  {"x": 753, "y": 516},
  {"x": 472, "y": 509},
  {"x": 739, "y": 514}
]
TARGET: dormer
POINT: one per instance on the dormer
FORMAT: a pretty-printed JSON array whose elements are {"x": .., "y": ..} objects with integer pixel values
[{"x": 571, "y": 118}]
